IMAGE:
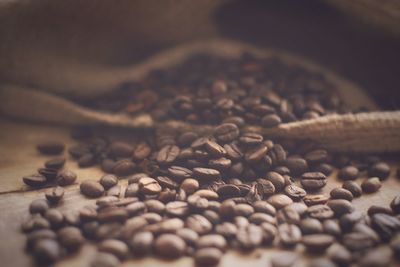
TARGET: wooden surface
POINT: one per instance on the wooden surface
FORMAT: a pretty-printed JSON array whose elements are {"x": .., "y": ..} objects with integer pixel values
[{"x": 18, "y": 157}]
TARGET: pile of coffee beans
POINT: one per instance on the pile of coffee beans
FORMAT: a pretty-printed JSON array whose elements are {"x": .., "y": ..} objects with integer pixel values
[{"x": 173, "y": 194}]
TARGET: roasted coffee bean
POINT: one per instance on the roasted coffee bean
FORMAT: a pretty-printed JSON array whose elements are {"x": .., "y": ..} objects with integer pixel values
[
  {"x": 50, "y": 148},
  {"x": 259, "y": 218},
  {"x": 313, "y": 180},
  {"x": 35, "y": 180},
  {"x": 50, "y": 174},
  {"x": 311, "y": 200},
  {"x": 228, "y": 191},
  {"x": 114, "y": 191},
  {"x": 284, "y": 259},
  {"x": 36, "y": 222},
  {"x": 339, "y": 254},
  {"x": 120, "y": 150},
  {"x": 374, "y": 209},
  {"x": 395, "y": 204},
  {"x": 386, "y": 225},
  {"x": 108, "y": 181},
  {"x": 341, "y": 193},
  {"x": 199, "y": 224},
  {"x": 256, "y": 154},
  {"x": 215, "y": 149},
  {"x": 269, "y": 233},
  {"x": 378, "y": 257},
  {"x": 340, "y": 206},
  {"x": 103, "y": 259},
  {"x": 205, "y": 193},
  {"x": 320, "y": 212},
  {"x": 71, "y": 217},
  {"x": 310, "y": 226},
  {"x": 197, "y": 202},
  {"x": 347, "y": 221},
  {"x": 226, "y": 132},
  {"x": 46, "y": 251},
  {"x": 124, "y": 167},
  {"x": 168, "y": 154},
  {"x": 380, "y": 170},
  {"x": 264, "y": 207},
  {"x": 70, "y": 238},
  {"x": 91, "y": 189},
  {"x": 371, "y": 185},
  {"x": 206, "y": 174},
  {"x": 212, "y": 240},
  {"x": 133, "y": 179},
  {"x": 279, "y": 201},
  {"x": 316, "y": 156},
  {"x": 251, "y": 139},
  {"x": 276, "y": 179},
  {"x": 169, "y": 246},
  {"x": 270, "y": 120},
  {"x": 249, "y": 237},
  {"x": 66, "y": 177},
  {"x": 177, "y": 208},
  {"x": 141, "y": 151},
  {"x": 106, "y": 201},
  {"x": 264, "y": 188},
  {"x": 152, "y": 217},
  {"x": 55, "y": 163},
  {"x": 331, "y": 227},
  {"x": 226, "y": 229},
  {"x": 289, "y": 234},
  {"x": 112, "y": 214},
  {"x": 136, "y": 208},
  {"x": 88, "y": 213},
  {"x": 55, "y": 194},
  {"x": 179, "y": 173},
  {"x": 115, "y": 247},
  {"x": 299, "y": 207},
  {"x": 37, "y": 235},
  {"x": 154, "y": 205},
  {"x": 189, "y": 185},
  {"x": 38, "y": 206},
  {"x": 282, "y": 170},
  {"x": 243, "y": 210},
  {"x": 132, "y": 190},
  {"x": 325, "y": 168},
  {"x": 317, "y": 243},
  {"x": 348, "y": 173},
  {"x": 353, "y": 187},
  {"x": 55, "y": 218},
  {"x": 297, "y": 166},
  {"x": 149, "y": 186},
  {"x": 207, "y": 256},
  {"x": 357, "y": 241},
  {"x": 187, "y": 138},
  {"x": 295, "y": 192},
  {"x": 233, "y": 151},
  {"x": 188, "y": 235},
  {"x": 86, "y": 160},
  {"x": 141, "y": 243}
]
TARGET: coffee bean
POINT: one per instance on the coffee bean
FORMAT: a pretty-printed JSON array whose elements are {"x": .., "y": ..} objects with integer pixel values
[
  {"x": 243, "y": 210},
  {"x": 251, "y": 138},
  {"x": 141, "y": 243},
  {"x": 55, "y": 218},
  {"x": 340, "y": 206},
  {"x": 212, "y": 240},
  {"x": 259, "y": 218},
  {"x": 313, "y": 180},
  {"x": 132, "y": 190},
  {"x": 188, "y": 235},
  {"x": 276, "y": 179},
  {"x": 378, "y": 257},
  {"x": 386, "y": 225},
  {"x": 103, "y": 259},
  {"x": 46, "y": 251},
  {"x": 35, "y": 180},
  {"x": 331, "y": 227},
  {"x": 55, "y": 163},
  {"x": 35, "y": 223},
  {"x": 199, "y": 224},
  {"x": 215, "y": 149},
  {"x": 206, "y": 174},
  {"x": 341, "y": 193},
  {"x": 395, "y": 204},
  {"x": 226, "y": 229},
  {"x": 40, "y": 234},
  {"x": 289, "y": 234},
  {"x": 339, "y": 254},
  {"x": 226, "y": 132},
  {"x": 233, "y": 151},
  {"x": 284, "y": 259},
  {"x": 322, "y": 262},
  {"x": 141, "y": 151},
  {"x": 149, "y": 186},
  {"x": 325, "y": 168},
  {"x": 353, "y": 187},
  {"x": 374, "y": 209},
  {"x": 317, "y": 243},
  {"x": 380, "y": 170},
  {"x": 50, "y": 147},
  {"x": 168, "y": 154},
  {"x": 154, "y": 205},
  {"x": 316, "y": 156},
  {"x": 371, "y": 185},
  {"x": 169, "y": 246},
  {"x": 311, "y": 200},
  {"x": 189, "y": 185},
  {"x": 228, "y": 191},
  {"x": 279, "y": 201},
  {"x": 86, "y": 160},
  {"x": 348, "y": 173},
  {"x": 50, "y": 174},
  {"x": 264, "y": 207},
  {"x": 177, "y": 208},
  {"x": 357, "y": 241},
  {"x": 320, "y": 212},
  {"x": 271, "y": 120},
  {"x": 70, "y": 238},
  {"x": 113, "y": 214},
  {"x": 124, "y": 167},
  {"x": 288, "y": 215},
  {"x": 120, "y": 150},
  {"x": 295, "y": 192},
  {"x": 66, "y": 177},
  {"x": 205, "y": 193},
  {"x": 256, "y": 154},
  {"x": 249, "y": 237},
  {"x": 91, "y": 189},
  {"x": 299, "y": 207},
  {"x": 297, "y": 166},
  {"x": 208, "y": 256},
  {"x": 115, "y": 247},
  {"x": 38, "y": 206},
  {"x": 310, "y": 226},
  {"x": 108, "y": 181}
]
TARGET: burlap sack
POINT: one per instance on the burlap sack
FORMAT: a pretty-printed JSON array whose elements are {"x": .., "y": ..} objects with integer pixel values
[{"x": 366, "y": 132}]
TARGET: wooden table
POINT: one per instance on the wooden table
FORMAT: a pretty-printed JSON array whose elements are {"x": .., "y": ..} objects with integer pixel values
[{"x": 18, "y": 157}]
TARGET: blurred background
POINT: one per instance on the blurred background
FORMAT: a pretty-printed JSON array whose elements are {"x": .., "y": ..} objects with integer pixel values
[{"x": 358, "y": 39}]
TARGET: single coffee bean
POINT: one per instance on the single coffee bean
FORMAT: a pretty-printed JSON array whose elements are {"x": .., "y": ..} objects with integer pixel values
[
  {"x": 141, "y": 151},
  {"x": 207, "y": 256},
  {"x": 86, "y": 160},
  {"x": 331, "y": 227},
  {"x": 297, "y": 166},
  {"x": 103, "y": 259},
  {"x": 311, "y": 200},
  {"x": 325, "y": 168},
  {"x": 310, "y": 226},
  {"x": 320, "y": 212},
  {"x": 386, "y": 225},
  {"x": 141, "y": 243},
  {"x": 187, "y": 138},
  {"x": 259, "y": 218},
  {"x": 55, "y": 163},
  {"x": 112, "y": 214},
  {"x": 167, "y": 154},
  {"x": 251, "y": 139},
  {"x": 395, "y": 204},
  {"x": 313, "y": 180},
  {"x": 276, "y": 179},
  {"x": 347, "y": 221},
  {"x": 108, "y": 181},
  {"x": 358, "y": 241},
  {"x": 288, "y": 215},
  {"x": 339, "y": 254},
  {"x": 374, "y": 209},
  {"x": 348, "y": 173},
  {"x": 233, "y": 151},
  {"x": 154, "y": 205},
  {"x": 264, "y": 207},
  {"x": 38, "y": 206},
  {"x": 55, "y": 218},
  {"x": 132, "y": 190},
  {"x": 177, "y": 208},
  {"x": 226, "y": 132},
  {"x": 70, "y": 238},
  {"x": 149, "y": 186},
  {"x": 50, "y": 147},
  {"x": 299, "y": 207},
  {"x": 205, "y": 193},
  {"x": 371, "y": 185},
  {"x": 249, "y": 237},
  {"x": 243, "y": 209},
  {"x": 46, "y": 251},
  {"x": 271, "y": 120},
  {"x": 226, "y": 229},
  {"x": 179, "y": 173},
  {"x": 284, "y": 259},
  {"x": 115, "y": 247},
  {"x": 341, "y": 193},
  {"x": 353, "y": 187},
  {"x": 340, "y": 206},
  {"x": 380, "y": 170},
  {"x": 91, "y": 189},
  {"x": 66, "y": 177},
  {"x": 55, "y": 194},
  {"x": 34, "y": 223},
  {"x": 316, "y": 156},
  {"x": 35, "y": 180},
  {"x": 124, "y": 167},
  {"x": 378, "y": 257},
  {"x": 188, "y": 235},
  {"x": 50, "y": 174},
  {"x": 120, "y": 150},
  {"x": 295, "y": 192},
  {"x": 212, "y": 240},
  {"x": 279, "y": 201},
  {"x": 169, "y": 246},
  {"x": 199, "y": 224},
  {"x": 228, "y": 191},
  {"x": 197, "y": 202},
  {"x": 256, "y": 154},
  {"x": 206, "y": 174},
  {"x": 33, "y": 237},
  {"x": 215, "y": 149},
  {"x": 289, "y": 234},
  {"x": 189, "y": 185},
  {"x": 317, "y": 243}
]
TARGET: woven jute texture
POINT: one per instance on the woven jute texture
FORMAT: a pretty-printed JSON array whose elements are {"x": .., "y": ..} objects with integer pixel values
[{"x": 364, "y": 132}]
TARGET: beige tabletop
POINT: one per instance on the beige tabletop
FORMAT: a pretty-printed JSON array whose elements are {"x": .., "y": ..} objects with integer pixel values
[{"x": 18, "y": 157}]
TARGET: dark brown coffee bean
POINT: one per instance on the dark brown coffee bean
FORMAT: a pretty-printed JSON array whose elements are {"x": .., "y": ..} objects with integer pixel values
[
  {"x": 199, "y": 224},
  {"x": 37, "y": 235},
  {"x": 51, "y": 147},
  {"x": 168, "y": 154},
  {"x": 380, "y": 170},
  {"x": 86, "y": 160},
  {"x": 259, "y": 218},
  {"x": 295, "y": 192},
  {"x": 141, "y": 151},
  {"x": 226, "y": 132},
  {"x": 35, "y": 223},
  {"x": 249, "y": 237},
  {"x": 220, "y": 163},
  {"x": 348, "y": 173},
  {"x": 310, "y": 226},
  {"x": 251, "y": 139},
  {"x": 141, "y": 243},
  {"x": 386, "y": 225},
  {"x": 313, "y": 180},
  {"x": 120, "y": 150},
  {"x": 35, "y": 180},
  {"x": 189, "y": 185},
  {"x": 226, "y": 229},
  {"x": 325, "y": 168},
  {"x": 70, "y": 238},
  {"x": 177, "y": 208},
  {"x": 55, "y": 163},
  {"x": 207, "y": 256},
  {"x": 38, "y": 206},
  {"x": 299, "y": 207},
  {"x": 320, "y": 212},
  {"x": 55, "y": 194},
  {"x": 188, "y": 235},
  {"x": 91, "y": 189},
  {"x": 215, "y": 149},
  {"x": 311, "y": 200},
  {"x": 256, "y": 154},
  {"x": 66, "y": 177},
  {"x": 316, "y": 156},
  {"x": 243, "y": 210},
  {"x": 179, "y": 173},
  {"x": 115, "y": 247},
  {"x": 55, "y": 218},
  {"x": 124, "y": 167},
  {"x": 132, "y": 190},
  {"x": 107, "y": 201},
  {"x": 149, "y": 186},
  {"x": 297, "y": 166},
  {"x": 103, "y": 259},
  {"x": 197, "y": 202},
  {"x": 374, "y": 209},
  {"x": 169, "y": 246},
  {"x": 185, "y": 139},
  {"x": 288, "y": 215},
  {"x": 264, "y": 188},
  {"x": 289, "y": 234},
  {"x": 371, "y": 185},
  {"x": 276, "y": 179},
  {"x": 228, "y": 191},
  {"x": 112, "y": 214},
  {"x": 341, "y": 193},
  {"x": 133, "y": 179},
  {"x": 358, "y": 241},
  {"x": 317, "y": 243},
  {"x": 331, "y": 227},
  {"x": 233, "y": 151},
  {"x": 46, "y": 251},
  {"x": 279, "y": 201},
  {"x": 50, "y": 174},
  {"x": 340, "y": 206},
  {"x": 264, "y": 207},
  {"x": 270, "y": 120},
  {"x": 378, "y": 257},
  {"x": 108, "y": 181},
  {"x": 395, "y": 204},
  {"x": 284, "y": 259},
  {"x": 206, "y": 174},
  {"x": 353, "y": 187}
]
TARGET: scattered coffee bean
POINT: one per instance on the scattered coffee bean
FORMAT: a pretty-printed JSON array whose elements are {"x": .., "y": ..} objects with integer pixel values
[
  {"x": 54, "y": 195},
  {"x": 35, "y": 180},
  {"x": 91, "y": 189},
  {"x": 313, "y": 180},
  {"x": 380, "y": 170},
  {"x": 353, "y": 187},
  {"x": 348, "y": 173},
  {"x": 115, "y": 247},
  {"x": 55, "y": 163},
  {"x": 169, "y": 246},
  {"x": 70, "y": 238},
  {"x": 51, "y": 148},
  {"x": 38, "y": 206},
  {"x": 108, "y": 181},
  {"x": 46, "y": 251},
  {"x": 371, "y": 185},
  {"x": 207, "y": 256}
]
